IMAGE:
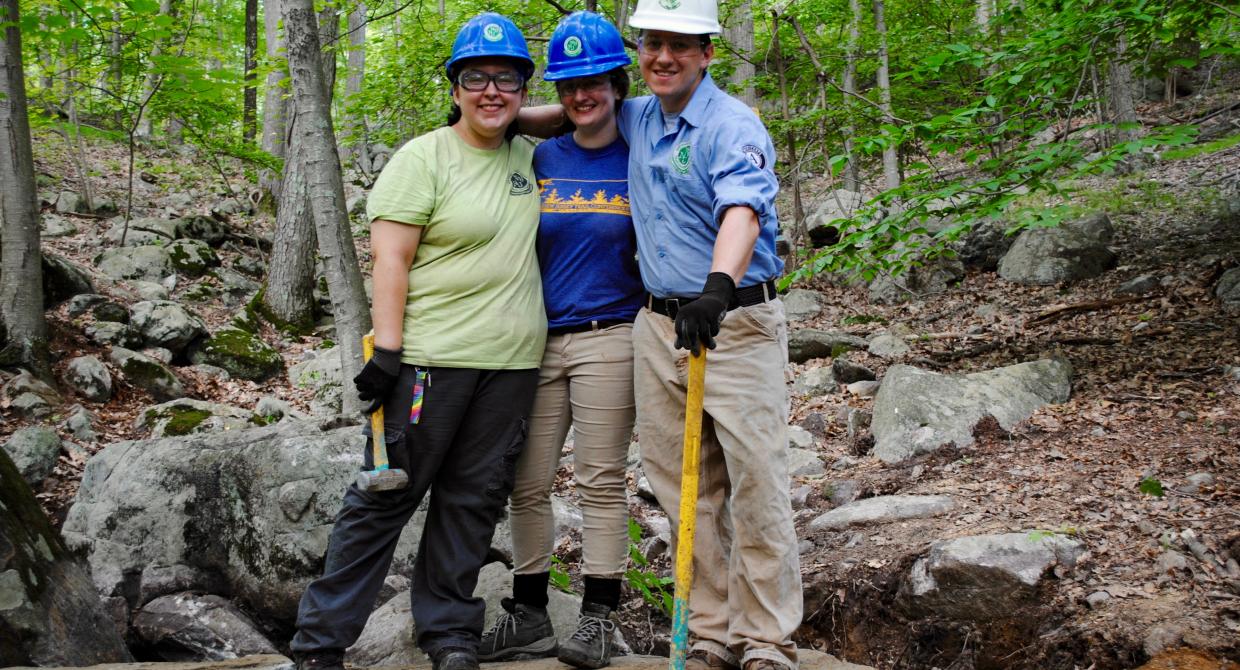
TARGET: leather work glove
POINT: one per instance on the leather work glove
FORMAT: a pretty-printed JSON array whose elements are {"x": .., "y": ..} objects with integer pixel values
[
  {"x": 378, "y": 377},
  {"x": 699, "y": 321}
]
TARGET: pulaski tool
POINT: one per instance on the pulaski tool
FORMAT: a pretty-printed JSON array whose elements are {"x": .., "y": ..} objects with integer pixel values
[
  {"x": 688, "y": 508},
  {"x": 383, "y": 477}
]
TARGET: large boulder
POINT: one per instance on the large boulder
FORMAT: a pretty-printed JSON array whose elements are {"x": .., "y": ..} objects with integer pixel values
[
  {"x": 62, "y": 280},
  {"x": 147, "y": 374},
  {"x": 187, "y": 415},
  {"x": 142, "y": 232},
  {"x": 167, "y": 324},
  {"x": 1073, "y": 251},
  {"x": 801, "y": 304},
  {"x": 883, "y": 509},
  {"x": 242, "y": 354},
  {"x": 30, "y": 396},
  {"x": 917, "y": 411},
  {"x": 191, "y": 627},
  {"x": 984, "y": 245},
  {"x": 1228, "y": 290},
  {"x": 34, "y": 450},
  {"x": 192, "y": 258},
  {"x": 821, "y": 221},
  {"x": 928, "y": 277},
  {"x": 985, "y": 577},
  {"x": 146, "y": 262},
  {"x": 808, "y": 343},
  {"x": 89, "y": 377},
  {"x": 50, "y": 614}
]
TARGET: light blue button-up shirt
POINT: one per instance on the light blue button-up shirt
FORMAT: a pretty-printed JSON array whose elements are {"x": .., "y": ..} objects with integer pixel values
[{"x": 718, "y": 155}]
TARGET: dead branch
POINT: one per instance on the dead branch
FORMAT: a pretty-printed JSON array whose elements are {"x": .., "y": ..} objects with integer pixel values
[{"x": 1060, "y": 311}]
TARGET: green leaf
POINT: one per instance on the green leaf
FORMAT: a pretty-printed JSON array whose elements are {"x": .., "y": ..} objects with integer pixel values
[{"x": 1151, "y": 486}]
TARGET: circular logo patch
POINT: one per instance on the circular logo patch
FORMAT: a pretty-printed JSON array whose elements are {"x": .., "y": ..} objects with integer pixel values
[
  {"x": 492, "y": 32},
  {"x": 680, "y": 157},
  {"x": 754, "y": 153},
  {"x": 520, "y": 185},
  {"x": 572, "y": 46},
  {"x": 669, "y": 4}
]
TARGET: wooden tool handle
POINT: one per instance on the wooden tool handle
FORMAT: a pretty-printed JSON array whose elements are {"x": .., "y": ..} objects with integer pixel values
[
  {"x": 688, "y": 508},
  {"x": 378, "y": 448}
]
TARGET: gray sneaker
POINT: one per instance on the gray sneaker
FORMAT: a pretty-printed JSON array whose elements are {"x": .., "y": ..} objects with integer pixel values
[
  {"x": 590, "y": 645},
  {"x": 521, "y": 631}
]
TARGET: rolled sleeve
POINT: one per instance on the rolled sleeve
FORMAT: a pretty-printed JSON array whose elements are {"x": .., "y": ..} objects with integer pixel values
[
  {"x": 742, "y": 169},
  {"x": 405, "y": 190}
]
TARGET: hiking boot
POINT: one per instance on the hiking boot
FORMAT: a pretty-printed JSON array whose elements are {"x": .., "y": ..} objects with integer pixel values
[
  {"x": 590, "y": 645},
  {"x": 522, "y": 630},
  {"x": 326, "y": 659},
  {"x": 700, "y": 659},
  {"x": 455, "y": 658}
]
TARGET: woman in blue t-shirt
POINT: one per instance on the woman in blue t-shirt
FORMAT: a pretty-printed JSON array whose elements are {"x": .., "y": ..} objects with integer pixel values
[{"x": 592, "y": 290}]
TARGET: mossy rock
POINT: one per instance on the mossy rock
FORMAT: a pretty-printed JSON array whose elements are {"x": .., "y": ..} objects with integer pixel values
[
  {"x": 192, "y": 257},
  {"x": 187, "y": 416},
  {"x": 240, "y": 353},
  {"x": 147, "y": 373}
]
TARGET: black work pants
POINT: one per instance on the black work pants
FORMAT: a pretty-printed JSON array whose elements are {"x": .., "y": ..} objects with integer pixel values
[{"x": 463, "y": 450}]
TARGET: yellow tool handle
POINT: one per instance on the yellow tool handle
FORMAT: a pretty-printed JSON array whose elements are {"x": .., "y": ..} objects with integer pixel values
[
  {"x": 378, "y": 448},
  {"x": 688, "y": 508}
]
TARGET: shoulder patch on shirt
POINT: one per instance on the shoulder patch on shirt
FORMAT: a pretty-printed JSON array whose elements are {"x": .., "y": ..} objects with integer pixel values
[
  {"x": 681, "y": 157},
  {"x": 754, "y": 153},
  {"x": 520, "y": 185}
]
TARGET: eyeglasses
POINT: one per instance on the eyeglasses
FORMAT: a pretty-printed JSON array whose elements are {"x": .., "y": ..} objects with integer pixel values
[
  {"x": 477, "y": 80},
  {"x": 653, "y": 44},
  {"x": 584, "y": 84}
]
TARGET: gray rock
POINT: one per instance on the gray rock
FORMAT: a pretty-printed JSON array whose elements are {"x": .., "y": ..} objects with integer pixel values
[
  {"x": 1074, "y": 251},
  {"x": 34, "y": 450},
  {"x": 81, "y": 424},
  {"x": 802, "y": 305},
  {"x": 145, "y": 262},
  {"x": 31, "y": 406},
  {"x": 883, "y": 509},
  {"x": 236, "y": 286},
  {"x": 192, "y": 258},
  {"x": 49, "y": 611},
  {"x": 495, "y": 583},
  {"x": 847, "y": 372},
  {"x": 804, "y": 463},
  {"x": 985, "y": 577},
  {"x": 1138, "y": 285},
  {"x": 110, "y": 311},
  {"x": 273, "y": 409},
  {"x": 203, "y": 228},
  {"x": 1162, "y": 637},
  {"x": 142, "y": 232},
  {"x": 246, "y": 512},
  {"x": 147, "y": 374},
  {"x": 105, "y": 333},
  {"x": 815, "y": 382},
  {"x": 984, "y": 244},
  {"x": 55, "y": 226},
  {"x": 190, "y": 627},
  {"x": 800, "y": 438},
  {"x": 177, "y": 201},
  {"x": 322, "y": 370},
  {"x": 388, "y": 638},
  {"x": 356, "y": 204},
  {"x": 1170, "y": 562},
  {"x": 167, "y": 324},
  {"x": 1196, "y": 482},
  {"x": 887, "y": 345},
  {"x": 185, "y": 416},
  {"x": 242, "y": 354},
  {"x": 80, "y": 304},
  {"x": 250, "y": 267},
  {"x": 858, "y": 420},
  {"x": 810, "y": 343},
  {"x": 30, "y": 397},
  {"x": 842, "y": 491},
  {"x": 567, "y": 519},
  {"x": 1228, "y": 290},
  {"x": 69, "y": 202},
  {"x": 160, "y": 354},
  {"x": 931, "y": 277},
  {"x": 149, "y": 290},
  {"x": 1097, "y": 599},
  {"x": 918, "y": 411},
  {"x": 63, "y": 279},
  {"x": 836, "y": 205},
  {"x": 90, "y": 378},
  {"x": 800, "y": 496},
  {"x": 866, "y": 388}
]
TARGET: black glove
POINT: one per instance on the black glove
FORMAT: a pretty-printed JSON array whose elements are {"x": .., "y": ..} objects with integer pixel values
[
  {"x": 378, "y": 377},
  {"x": 699, "y": 320}
]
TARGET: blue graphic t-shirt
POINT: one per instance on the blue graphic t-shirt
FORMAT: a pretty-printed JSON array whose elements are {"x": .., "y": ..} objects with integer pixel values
[{"x": 587, "y": 248}]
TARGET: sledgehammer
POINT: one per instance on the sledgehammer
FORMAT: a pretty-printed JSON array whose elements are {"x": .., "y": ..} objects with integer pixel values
[{"x": 383, "y": 477}]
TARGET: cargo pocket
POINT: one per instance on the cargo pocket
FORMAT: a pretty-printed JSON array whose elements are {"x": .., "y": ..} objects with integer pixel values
[
  {"x": 505, "y": 476},
  {"x": 395, "y": 422}
]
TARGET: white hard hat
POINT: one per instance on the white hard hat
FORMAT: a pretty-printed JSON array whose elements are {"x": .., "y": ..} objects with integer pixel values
[{"x": 687, "y": 17}]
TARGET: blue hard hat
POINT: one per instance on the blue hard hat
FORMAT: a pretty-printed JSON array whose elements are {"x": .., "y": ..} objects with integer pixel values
[
  {"x": 490, "y": 35},
  {"x": 583, "y": 45}
]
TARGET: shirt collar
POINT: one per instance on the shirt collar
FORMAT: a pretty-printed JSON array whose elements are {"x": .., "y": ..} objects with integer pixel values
[{"x": 695, "y": 112}]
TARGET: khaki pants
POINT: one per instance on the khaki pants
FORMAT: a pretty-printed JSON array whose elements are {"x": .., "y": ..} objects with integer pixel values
[
  {"x": 744, "y": 516},
  {"x": 586, "y": 380}
]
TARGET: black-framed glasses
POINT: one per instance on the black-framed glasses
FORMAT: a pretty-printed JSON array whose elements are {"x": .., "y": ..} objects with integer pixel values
[
  {"x": 593, "y": 84},
  {"x": 677, "y": 46},
  {"x": 507, "y": 81}
]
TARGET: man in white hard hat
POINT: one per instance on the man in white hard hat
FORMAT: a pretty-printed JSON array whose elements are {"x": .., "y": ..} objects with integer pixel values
[{"x": 702, "y": 188}]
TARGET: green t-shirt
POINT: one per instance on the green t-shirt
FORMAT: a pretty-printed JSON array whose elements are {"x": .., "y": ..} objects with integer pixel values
[{"x": 475, "y": 295}]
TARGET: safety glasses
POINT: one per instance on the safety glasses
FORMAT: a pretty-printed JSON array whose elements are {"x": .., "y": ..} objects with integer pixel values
[
  {"x": 477, "y": 80},
  {"x": 651, "y": 45},
  {"x": 569, "y": 87}
]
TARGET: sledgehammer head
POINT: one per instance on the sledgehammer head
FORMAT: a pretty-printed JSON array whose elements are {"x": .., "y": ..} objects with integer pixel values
[{"x": 382, "y": 480}]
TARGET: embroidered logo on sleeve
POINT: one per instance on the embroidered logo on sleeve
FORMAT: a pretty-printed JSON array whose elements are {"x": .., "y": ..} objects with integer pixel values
[
  {"x": 572, "y": 46},
  {"x": 754, "y": 153},
  {"x": 520, "y": 185},
  {"x": 492, "y": 32},
  {"x": 681, "y": 157}
]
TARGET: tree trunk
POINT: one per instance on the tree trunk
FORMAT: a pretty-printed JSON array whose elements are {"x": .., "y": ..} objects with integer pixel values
[
  {"x": 249, "y": 106},
  {"x": 322, "y": 164},
  {"x": 852, "y": 180},
  {"x": 739, "y": 34},
  {"x": 798, "y": 210},
  {"x": 145, "y": 128},
  {"x": 1120, "y": 93},
  {"x": 329, "y": 34},
  {"x": 21, "y": 265},
  {"x": 891, "y": 155},
  {"x": 622, "y": 14},
  {"x": 356, "y": 140},
  {"x": 274, "y": 104}
]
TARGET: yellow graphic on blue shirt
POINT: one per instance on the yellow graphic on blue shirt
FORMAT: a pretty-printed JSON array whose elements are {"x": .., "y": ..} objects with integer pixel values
[{"x": 608, "y": 196}]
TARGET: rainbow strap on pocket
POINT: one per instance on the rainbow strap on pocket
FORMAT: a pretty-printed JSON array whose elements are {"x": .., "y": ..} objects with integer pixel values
[{"x": 419, "y": 388}]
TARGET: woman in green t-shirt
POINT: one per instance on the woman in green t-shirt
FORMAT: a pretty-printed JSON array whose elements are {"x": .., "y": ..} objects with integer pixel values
[{"x": 459, "y": 335}]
